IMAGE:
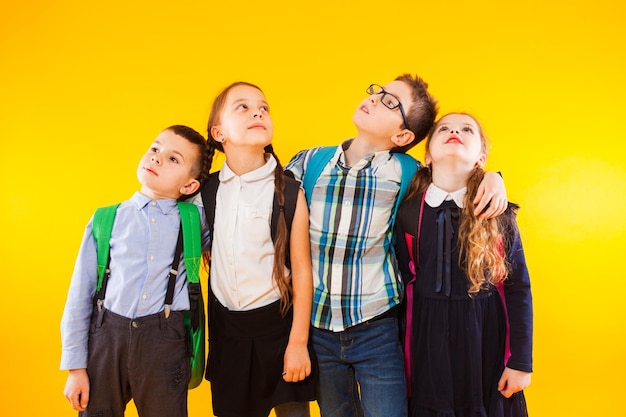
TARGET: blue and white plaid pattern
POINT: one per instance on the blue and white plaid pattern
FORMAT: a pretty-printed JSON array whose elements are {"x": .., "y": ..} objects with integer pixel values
[{"x": 355, "y": 276}]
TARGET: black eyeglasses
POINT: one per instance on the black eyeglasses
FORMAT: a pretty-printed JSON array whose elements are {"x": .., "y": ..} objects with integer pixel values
[{"x": 389, "y": 100}]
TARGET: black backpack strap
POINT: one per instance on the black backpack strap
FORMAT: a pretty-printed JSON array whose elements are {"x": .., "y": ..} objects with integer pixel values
[
  {"x": 171, "y": 282},
  {"x": 292, "y": 187},
  {"x": 209, "y": 194}
]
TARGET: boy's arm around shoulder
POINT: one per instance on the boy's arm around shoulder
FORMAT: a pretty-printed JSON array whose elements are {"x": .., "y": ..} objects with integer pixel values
[
  {"x": 491, "y": 197},
  {"x": 297, "y": 363}
]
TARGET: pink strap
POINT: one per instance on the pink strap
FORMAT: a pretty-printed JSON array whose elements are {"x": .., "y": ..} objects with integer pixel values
[
  {"x": 507, "y": 339},
  {"x": 409, "y": 296}
]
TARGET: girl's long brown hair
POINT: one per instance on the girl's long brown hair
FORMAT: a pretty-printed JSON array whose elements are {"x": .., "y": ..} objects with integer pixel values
[
  {"x": 281, "y": 239},
  {"x": 482, "y": 242}
]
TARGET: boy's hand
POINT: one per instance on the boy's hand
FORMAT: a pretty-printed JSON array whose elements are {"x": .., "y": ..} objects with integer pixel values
[
  {"x": 77, "y": 389},
  {"x": 297, "y": 363},
  {"x": 513, "y": 381},
  {"x": 491, "y": 192}
]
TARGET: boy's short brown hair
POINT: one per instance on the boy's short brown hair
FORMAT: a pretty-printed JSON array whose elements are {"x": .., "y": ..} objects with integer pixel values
[{"x": 422, "y": 112}]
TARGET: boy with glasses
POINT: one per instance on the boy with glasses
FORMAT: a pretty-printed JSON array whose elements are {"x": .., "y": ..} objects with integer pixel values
[{"x": 357, "y": 285}]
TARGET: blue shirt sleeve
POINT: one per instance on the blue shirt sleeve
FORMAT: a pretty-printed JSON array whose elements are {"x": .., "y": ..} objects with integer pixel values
[{"x": 79, "y": 305}]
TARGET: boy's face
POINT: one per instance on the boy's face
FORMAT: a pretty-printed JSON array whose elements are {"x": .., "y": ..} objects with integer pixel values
[
  {"x": 456, "y": 138},
  {"x": 374, "y": 118},
  {"x": 165, "y": 171}
]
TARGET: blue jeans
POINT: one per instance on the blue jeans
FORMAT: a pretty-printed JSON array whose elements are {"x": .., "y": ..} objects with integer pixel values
[{"x": 361, "y": 371}]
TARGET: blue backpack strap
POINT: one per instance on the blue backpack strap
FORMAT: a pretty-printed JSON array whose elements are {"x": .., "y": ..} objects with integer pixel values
[
  {"x": 314, "y": 168},
  {"x": 101, "y": 228},
  {"x": 409, "y": 167}
]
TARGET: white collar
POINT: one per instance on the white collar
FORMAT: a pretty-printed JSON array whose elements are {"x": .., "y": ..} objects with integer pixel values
[
  {"x": 226, "y": 174},
  {"x": 435, "y": 196}
]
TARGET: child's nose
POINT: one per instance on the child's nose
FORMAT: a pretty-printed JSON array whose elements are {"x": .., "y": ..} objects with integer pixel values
[
  {"x": 257, "y": 114},
  {"x": 155, "y": 159}
]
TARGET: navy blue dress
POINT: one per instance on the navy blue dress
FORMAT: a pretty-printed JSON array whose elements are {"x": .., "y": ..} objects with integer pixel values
[{"x": 457, "y": 342}]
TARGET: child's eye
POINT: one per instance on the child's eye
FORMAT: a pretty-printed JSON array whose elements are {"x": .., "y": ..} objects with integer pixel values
[
  {"x": 443, "y": 128},
  {"x": 265, "y": 109},
  {"x": 389, "y": 103},
  {"x": 174, "y": 159},
  {"x": 468, "y": 129},
  {"x": 153, "y": 149},
  {"x": 242, "y": 107}
]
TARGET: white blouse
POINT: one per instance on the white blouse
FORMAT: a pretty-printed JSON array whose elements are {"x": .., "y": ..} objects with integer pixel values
[{"x": 242, "y": 254}]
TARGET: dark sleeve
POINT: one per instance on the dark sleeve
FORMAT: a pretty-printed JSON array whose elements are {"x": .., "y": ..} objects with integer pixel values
[{"x": 519, "y": 304}]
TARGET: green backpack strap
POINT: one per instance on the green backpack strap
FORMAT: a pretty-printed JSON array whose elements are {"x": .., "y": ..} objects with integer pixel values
[
  {"x": 101, "y": 227},
  {"x": 190, "y": 220},
  {"x": 194, "y": 318}
]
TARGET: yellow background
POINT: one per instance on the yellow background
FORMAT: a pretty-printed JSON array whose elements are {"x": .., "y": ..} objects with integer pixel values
[{"x": 85, "y": 87}]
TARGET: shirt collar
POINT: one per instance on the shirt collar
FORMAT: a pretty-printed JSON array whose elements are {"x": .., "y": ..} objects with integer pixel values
[
  {"x": 141, "y": 201},
  {"x": 435, "y": 196},
  {"x": 374, "y": 158},
  {"x": 226, "y": 174}
]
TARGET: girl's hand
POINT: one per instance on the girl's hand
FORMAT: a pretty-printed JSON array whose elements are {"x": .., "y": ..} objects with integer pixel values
[
  {"x": 491, "y": 192},
  {"x": 513, "y": 381},
  {"x": 297, "y": 363},
  {"x": 77, "y": 389}
]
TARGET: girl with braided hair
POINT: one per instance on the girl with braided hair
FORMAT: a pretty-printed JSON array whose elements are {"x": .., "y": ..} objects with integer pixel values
[
  {"x": 469, "y": 318},
  {"x": 260, "y": 285}
]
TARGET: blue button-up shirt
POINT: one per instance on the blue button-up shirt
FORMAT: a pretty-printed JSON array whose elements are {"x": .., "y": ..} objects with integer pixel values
[{"x": 143, "y": 241}]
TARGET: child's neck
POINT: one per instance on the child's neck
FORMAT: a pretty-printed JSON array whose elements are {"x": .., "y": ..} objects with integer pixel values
[
  {"x": 243, "y": 162},
  {"x": 451, "y": 177},
  {"x": 155, "y": 195},
  {"x": 363, "y": 145}
]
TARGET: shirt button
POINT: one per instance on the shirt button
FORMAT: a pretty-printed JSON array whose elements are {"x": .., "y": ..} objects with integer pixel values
[
  {"x": 135, "y": 324},
  {"x": 153, "y": 203},
  {"x": 151, "y": 258},
  {"x": 144, "y": 297},
  {"x": 153, "y": 220},
  {"x": 347, "y": 203}
]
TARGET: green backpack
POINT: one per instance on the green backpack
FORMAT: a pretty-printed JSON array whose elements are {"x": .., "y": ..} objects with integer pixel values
[{"x": 189, "y": 237}]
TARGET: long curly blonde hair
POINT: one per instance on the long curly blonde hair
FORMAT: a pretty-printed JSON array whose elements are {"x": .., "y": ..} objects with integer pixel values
[{"x": 482, "y": 242}]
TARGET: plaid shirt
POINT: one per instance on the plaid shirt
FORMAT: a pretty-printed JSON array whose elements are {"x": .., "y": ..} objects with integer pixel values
[{"x": 355, "y": 276}]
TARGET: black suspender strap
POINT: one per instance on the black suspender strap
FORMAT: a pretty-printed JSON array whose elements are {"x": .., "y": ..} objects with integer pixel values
[
  {"x": 171, "y": 283},
  {"x": 99, "y": 295}
]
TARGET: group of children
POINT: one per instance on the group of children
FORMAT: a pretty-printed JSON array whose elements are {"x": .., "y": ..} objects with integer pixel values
[{"x": 333, "y": 292}]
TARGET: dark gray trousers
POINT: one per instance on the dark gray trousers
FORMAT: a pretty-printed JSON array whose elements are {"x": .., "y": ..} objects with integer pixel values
[{"x": 144, "y": 359}]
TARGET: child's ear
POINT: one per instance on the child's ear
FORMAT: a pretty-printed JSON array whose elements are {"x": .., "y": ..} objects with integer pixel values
[
  {"x": 403, "y": 138},
  {"x": 216, "y": 134},
  {"x": 427, "y": 159},
  {"x": 190, "y": 188},
  {"x": 481, "y": 161}
]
